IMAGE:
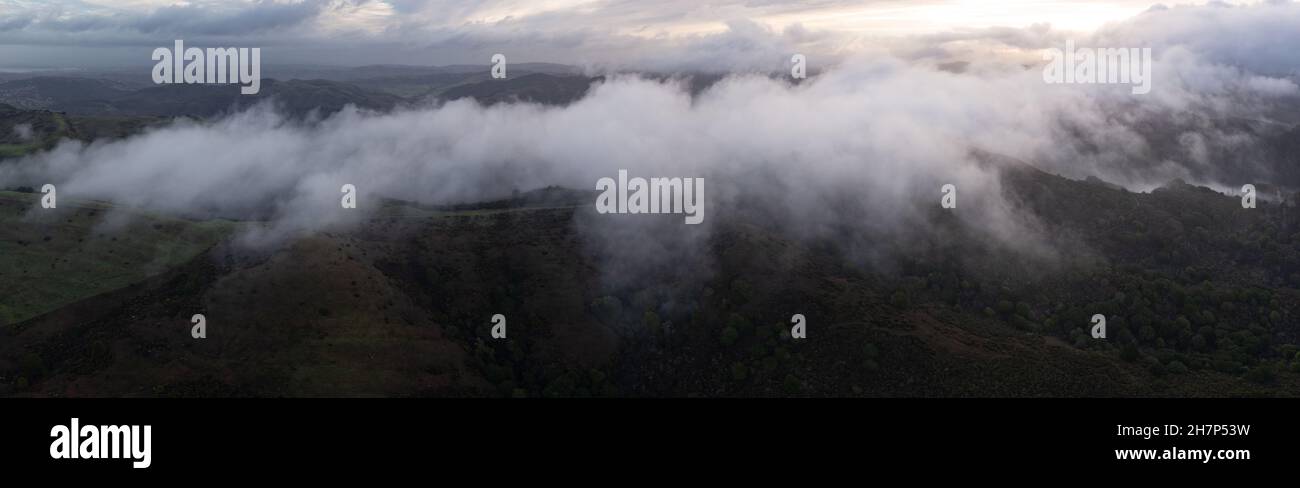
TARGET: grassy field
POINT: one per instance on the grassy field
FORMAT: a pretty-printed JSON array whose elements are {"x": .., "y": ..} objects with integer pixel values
[
  {"x": 47, "y": 128},
  {"x": 50, "y": 258}
]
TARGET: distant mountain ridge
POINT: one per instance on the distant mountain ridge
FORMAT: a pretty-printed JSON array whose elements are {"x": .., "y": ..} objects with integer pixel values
[
  {"x": 536, "y": 88},
  {"x": 47, "y": 92},
  {"x": 297, "y": 91}
]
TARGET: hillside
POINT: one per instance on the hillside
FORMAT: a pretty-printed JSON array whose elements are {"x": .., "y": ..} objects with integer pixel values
[
  {"x": 26, "y": 131},
  {"x": 325, "y": 90},
  {"x": 54, "y": 257},
  {"x": 537, "y": 88},
  {"x": 401, "y": 306},
  {"x": 55, "y": 92},
  {"x": 294, "y": 97}
]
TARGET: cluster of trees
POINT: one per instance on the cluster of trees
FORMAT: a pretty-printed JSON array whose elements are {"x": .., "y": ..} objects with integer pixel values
[
  {"x": 1187, "y": 280},
  {"x": 1175, "y": 322}
]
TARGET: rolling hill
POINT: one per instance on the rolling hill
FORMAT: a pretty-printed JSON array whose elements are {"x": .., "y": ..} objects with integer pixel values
[{"x": 1202, "y": 300}]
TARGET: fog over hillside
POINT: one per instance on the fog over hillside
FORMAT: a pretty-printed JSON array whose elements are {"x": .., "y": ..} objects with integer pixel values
[
  {"x": 873, "y": 136},
  {"x": 449, "y": 198}
]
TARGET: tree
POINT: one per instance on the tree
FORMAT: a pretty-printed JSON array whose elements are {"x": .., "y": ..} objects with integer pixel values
[
  {"x": 1177, "y": 367},
  {"x": 1129, "y": 353},
  {"x": 1262, "y": 374},
  {"x": 739, "y": 322},
  {"x": 739, "y": 372},
  {"x": 651, "y": 321},
  {"x": 870, "y": 350},
  {"x": 607, "y": 309},
  {"x": 729, "y": 336},
  {"x": 742, "y": 290},
  {"x": 791, "y": 384},
  {"x": 31, "y": 365},
  {"x": 899, "y": 299},
  {"x": 870, "y": 366}
]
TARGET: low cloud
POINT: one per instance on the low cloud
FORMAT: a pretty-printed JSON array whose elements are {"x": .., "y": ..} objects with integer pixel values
[
  {"x": 23, "y": 132},
  {"x": 878, "y": 135},
  {"x": 862, "y": 148}
]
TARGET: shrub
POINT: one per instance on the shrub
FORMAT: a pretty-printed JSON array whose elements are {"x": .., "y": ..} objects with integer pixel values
[
  {"x": 1023, "y": 310},
  {"x": 31, "y": 365},
  {"x": 791, "y": 384},
  {"x": 1177, "y": 367},
  {"x": 729, "y": 336},
  {"x": 651, "y": 321},
  {"x": 899, "y": 299},
  {"x": 739, "y": 372},
  {"x": 739, "y": 322},
  {"x": 608, "y": 309},
  {"x": 742, "y": 290},
  {"x": 870, "y": 350},
  {"x": 782, "y": 354},
  {"x": 1262, "y": 374},
  {"x": 1129, "y": 353},
  {"x": 870, "y": 366}
]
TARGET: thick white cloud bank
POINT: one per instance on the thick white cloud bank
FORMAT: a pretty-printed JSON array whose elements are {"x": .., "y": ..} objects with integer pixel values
[{"x": 879, "y": 124}]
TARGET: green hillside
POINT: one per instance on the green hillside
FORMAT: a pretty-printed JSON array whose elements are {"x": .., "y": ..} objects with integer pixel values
[
  {"x": 50, "y": 258},
  {"x": 400, "y": 305}
]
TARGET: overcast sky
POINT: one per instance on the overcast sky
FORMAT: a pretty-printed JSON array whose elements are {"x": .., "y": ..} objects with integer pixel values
[{"x": 634, "y": 33}]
